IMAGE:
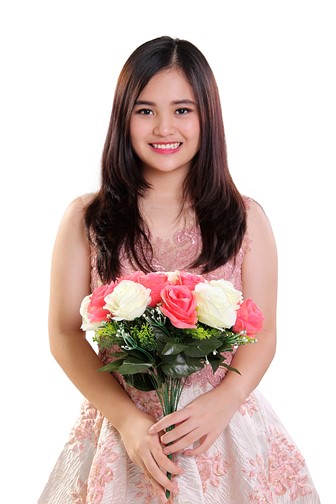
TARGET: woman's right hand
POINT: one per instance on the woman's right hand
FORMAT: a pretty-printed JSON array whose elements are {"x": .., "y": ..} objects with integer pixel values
[{"x": 145, "y": 450}]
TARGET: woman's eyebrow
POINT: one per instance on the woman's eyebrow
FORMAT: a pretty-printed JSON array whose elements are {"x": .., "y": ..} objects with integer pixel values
[{"x": 175, "y": 102}]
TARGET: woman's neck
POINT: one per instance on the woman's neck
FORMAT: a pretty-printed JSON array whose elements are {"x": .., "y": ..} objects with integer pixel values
[{"x": 166, "y": 188}]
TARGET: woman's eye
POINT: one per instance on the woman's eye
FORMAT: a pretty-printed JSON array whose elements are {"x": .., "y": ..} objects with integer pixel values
[
  {"x": 144, "y": 112},
  {"x": 183, "y": 111}
]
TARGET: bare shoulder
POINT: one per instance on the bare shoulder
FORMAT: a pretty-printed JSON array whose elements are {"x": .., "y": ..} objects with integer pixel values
[
  {"x": 258, "y": 225},
  {"x": 72, "y": 230},
  {"x": 80, "y": 203},
  {"x": 255, "y": 212},
  {"x": 75, "y": 211}
]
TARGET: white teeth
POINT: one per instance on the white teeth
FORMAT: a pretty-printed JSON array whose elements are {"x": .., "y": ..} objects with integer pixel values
[{"x": 166, "y": 146}]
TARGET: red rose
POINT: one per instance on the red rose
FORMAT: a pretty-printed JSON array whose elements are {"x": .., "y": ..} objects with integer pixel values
[
  {"x": 155, "y": 282},
  {"x": 189, "y": 279},
  {"x": 249, "y": 318},
  {"x": 95, "y": 310},
  {"x": 134, "y": 277},
  {"x": 179, "y": 305}
]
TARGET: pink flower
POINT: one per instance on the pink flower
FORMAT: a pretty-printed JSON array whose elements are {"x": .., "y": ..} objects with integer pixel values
[
  {"x": 179, "y": 305},
  {"x": 189, "y": 279},
  {"x": 155, "y": 282},
  {"x": 134, "y": 277},
  {"x": 95, "y": 310},
  {"x": 249, "y": 318}
]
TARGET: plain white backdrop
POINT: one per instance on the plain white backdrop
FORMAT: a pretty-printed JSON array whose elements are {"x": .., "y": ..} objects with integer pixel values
[{"x": 274, "y": 62}]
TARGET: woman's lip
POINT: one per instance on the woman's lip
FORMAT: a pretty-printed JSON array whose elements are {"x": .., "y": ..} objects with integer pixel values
[{"x": 165, "y": 147}]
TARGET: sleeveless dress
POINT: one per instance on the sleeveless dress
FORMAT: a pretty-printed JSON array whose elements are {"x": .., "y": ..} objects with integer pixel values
[{"x": 253, "y": 461}]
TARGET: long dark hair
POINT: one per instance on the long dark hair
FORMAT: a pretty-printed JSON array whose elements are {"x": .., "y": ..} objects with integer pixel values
[{"x": 113, "y": 220}]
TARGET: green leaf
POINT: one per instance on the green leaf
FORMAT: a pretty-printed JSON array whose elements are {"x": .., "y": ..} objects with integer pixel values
[
  {"x": 140, "y": 381},
  {"x": 225, "y": 347},
  {"x": 118, "y": 354},
  {"x": 202, "y": 348},
  {"x": 137, "y": 356},
  {"x": 178, "y": 366},
  {"x": 230, "y": 368},
  {"x": 112, "y": 366},
  {"x": 215, "y": 361},
  {"x": 133, "y": 367},
  {"x": 159, "y": 333},
  {"x": 173, "y": 348}
]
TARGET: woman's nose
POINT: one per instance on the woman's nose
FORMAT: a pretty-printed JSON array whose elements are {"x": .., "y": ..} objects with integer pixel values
[{"x": 164, "y": 125}]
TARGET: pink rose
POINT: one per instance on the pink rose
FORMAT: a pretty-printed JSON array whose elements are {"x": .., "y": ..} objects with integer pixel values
[
  {"x": 95, "y": 310},
  {"x": 155, "y": 282},
  {"x": 189, "y": 279},
  {"x": 249, "y": 318},
  {"x": 179, "y": 305},
  {"x": 134, "y": 277}
]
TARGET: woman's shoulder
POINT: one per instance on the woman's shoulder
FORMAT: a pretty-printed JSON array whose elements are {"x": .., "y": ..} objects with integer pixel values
[
  {"x": 259, "y": 228},
  {"x": 79, "y": 204},
  {"x": 255, "y": 213},
  {"x": 73, "y": 219}
]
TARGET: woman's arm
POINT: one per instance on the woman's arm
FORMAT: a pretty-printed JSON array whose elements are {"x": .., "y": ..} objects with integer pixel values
[
  {"x": 260, "y": 282},
  {"x": 70, "y": 283},
  {"x": 207, "y": 416}
]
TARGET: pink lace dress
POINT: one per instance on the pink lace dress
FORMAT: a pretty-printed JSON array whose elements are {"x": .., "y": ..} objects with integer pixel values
[{"x": 253, "y": 461}]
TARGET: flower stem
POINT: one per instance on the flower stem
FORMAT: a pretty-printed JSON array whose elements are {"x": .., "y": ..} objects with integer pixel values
[{"x": 169, "y": 393}]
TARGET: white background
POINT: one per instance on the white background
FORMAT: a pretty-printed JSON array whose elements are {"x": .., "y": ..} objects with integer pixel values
[{"x": 274, "y": 62}]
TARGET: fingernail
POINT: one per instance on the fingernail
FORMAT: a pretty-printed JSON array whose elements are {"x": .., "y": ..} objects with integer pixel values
[{"x": 151, "y": 430}]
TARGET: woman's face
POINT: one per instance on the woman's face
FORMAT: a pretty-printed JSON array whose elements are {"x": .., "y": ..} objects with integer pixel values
[{"x": 165, "y": 125}]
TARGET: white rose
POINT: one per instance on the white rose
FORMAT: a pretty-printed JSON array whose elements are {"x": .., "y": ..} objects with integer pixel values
[
  {"x": 128, "y": 301},
  {"x": 172, "y": 276},
  {"x": 86, "y": 324},
  {"x": 217, "y": 303}
]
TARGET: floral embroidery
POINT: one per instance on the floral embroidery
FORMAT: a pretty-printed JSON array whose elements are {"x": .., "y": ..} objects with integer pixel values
[
  {"x": 146, "y": 490},
  {"x": 257, "y": 474},
  {"x": 87, "y": 427},
  {"x": 249, "y": 406},
  {"x": 211, "y": 469},
  {"x": 283, "y": 474},
  {"x": 78, "y": 496},
  {"x": 285, "y": 465},
  {"x": 101, "y": 472}
]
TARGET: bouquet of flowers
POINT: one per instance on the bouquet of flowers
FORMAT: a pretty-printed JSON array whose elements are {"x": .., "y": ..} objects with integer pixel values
[{"x": 162, "y": 327}]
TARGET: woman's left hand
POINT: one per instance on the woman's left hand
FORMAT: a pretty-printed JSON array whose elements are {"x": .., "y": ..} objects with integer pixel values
[{"x": 203, "y": 420}]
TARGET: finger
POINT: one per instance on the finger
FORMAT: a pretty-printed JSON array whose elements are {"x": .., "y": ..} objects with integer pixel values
[
  {"x": 204, "y": 445},
  {"x": 178, "y": 432},
  {"x": 168, "y": 421},
  {"x": 157, "y": 474},
  {"x": 157, "y": 488},
  {"x": 183, "y": 443},
  {"x": 166, "y": 464}
]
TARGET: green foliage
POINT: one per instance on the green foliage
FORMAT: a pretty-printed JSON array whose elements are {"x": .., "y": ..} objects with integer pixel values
[
  {"x": 202, "y": 332},
  {"x": 144, "y": 335},
  {"x": 149, "y": 351}
]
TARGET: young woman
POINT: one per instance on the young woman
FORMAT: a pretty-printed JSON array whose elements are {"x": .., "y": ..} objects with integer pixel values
[{"x": 167, "y": 202}]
